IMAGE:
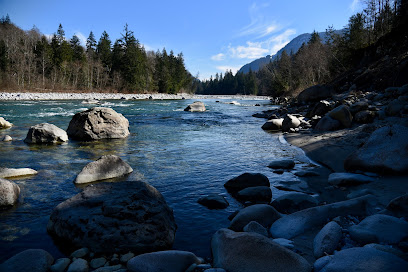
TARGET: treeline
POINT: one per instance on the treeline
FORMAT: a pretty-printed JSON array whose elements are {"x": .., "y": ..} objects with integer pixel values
[
  {"x": 31, "y": 61},
  {"x": 317, "y": 62}
]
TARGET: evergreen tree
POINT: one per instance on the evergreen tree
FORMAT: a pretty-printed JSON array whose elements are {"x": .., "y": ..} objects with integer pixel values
[
  {"x": 77, "y": 49},
  {"x": 103, "y": 50}
]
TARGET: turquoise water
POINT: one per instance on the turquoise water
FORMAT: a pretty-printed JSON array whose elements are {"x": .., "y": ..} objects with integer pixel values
[{"x": 184, "y": 155}]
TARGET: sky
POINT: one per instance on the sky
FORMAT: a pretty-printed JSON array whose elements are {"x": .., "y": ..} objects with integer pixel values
[{"x": 213, "y": 35}]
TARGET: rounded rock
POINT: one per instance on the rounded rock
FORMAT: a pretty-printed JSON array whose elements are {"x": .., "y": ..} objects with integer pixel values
[{"x": 9, "y": 193}]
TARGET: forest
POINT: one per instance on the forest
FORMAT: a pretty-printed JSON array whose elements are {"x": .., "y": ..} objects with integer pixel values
[
  {"x": 316, "y": 62},
  {"x": 31, "y": 61}
]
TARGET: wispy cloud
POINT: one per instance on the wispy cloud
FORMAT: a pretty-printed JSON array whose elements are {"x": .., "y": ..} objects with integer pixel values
[
  {"x": 355, "y": 5},
  {"x": 218, "y": 57},
  {"x": 81, "y": 38},
  {"x": 260, "y": 26}
]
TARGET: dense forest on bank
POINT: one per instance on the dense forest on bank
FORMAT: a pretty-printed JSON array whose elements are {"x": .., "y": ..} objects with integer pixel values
[
  {"x": 31, "y": 61},
  {"x": 317, "y": 62}
]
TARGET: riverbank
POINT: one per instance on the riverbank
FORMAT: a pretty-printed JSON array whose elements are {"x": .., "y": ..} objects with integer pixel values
[{"x": 117, "y": 96}]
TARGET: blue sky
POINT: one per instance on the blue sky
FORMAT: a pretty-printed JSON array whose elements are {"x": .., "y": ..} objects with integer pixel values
[{"x": 213, "y": 35}]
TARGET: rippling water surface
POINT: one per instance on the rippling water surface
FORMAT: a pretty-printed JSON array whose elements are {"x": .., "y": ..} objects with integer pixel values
[{"x": 184, "y": 155}]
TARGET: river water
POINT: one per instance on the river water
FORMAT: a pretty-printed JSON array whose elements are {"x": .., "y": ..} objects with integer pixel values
[{"x": 184, "y": 155}]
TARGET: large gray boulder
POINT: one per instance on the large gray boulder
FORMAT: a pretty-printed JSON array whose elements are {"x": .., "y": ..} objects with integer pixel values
[
  {"x": 115, "y": 217},
  {"x": 342, "y": 114},
  {"x": 169, "y": 261},
  {"x": 16, "y": 172},
  {"x": 243, "y": 252},
  {"x": 327, "y": 124},
  {"x": 386, "y": 151},
  {"x": 315, "y": 93},
  {"x": 362, "y": 259},
  {"x": 45, "y": 133},
  {"x": 299, "y": 222},
  {"x": 327, "y": 240},
  {"x": 293, "y": 202},
  {"x": 9, "y": 192},
  {"x": 246, "y": 180},
  {"x": 258, "y": 194},
  {"x": 98, "y": 123},
  {"x": 4, "y": 123},
  {"x": 106, "y": 167},
  {"x": 290, "y": 121},
  {"x": 197, "y": 106},
  {"x": 273, "y": 124},
  {"x": 32, "y": 260},
  {"x": 380, "y": 228},
  {"x": 261, "y": 213},
  {"x": 343, "y": 179}
]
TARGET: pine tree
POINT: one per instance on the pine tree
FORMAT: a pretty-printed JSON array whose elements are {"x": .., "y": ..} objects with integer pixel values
[{"x": 103, "y": 50}]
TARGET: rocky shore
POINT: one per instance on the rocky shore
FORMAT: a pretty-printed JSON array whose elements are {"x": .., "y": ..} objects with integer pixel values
[{"x": 115, "y": 96}]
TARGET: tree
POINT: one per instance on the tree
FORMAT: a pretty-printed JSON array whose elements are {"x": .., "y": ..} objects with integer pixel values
[{"x": 103, "y": 50}]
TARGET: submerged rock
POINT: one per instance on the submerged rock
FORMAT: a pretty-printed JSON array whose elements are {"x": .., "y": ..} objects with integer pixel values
[
  {"x": 169, "y": 261},
  {"x": 379, "y": 228},
  {"x": 243, "y": 252},
  {"x": 16, "y": 172},
  {"x": 32, "y": 260},
  {"x": 361, "y": 259},
  {"x": 45, "y": 133},
  {"x": 261, "y": 213},
  {"x": 9, "y": 193},
  {"x": 258, "y": 194},
  {"x": 98, "y": 123},
  {"x": 106, "y": 167},
  {"x": 386, "y": 151},
  {"x": 115, "y": 217},
  {"x": 246, "y": 180},
  {"x": 197, "y": 106},
  {"x": 213, "y": 201}
]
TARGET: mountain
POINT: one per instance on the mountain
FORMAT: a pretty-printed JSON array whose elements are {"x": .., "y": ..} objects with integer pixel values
[{"x": 291, "y": 48}]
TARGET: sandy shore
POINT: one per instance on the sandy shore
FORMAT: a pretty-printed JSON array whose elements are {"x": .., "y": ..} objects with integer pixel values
[{"x": 114, "y": 96}]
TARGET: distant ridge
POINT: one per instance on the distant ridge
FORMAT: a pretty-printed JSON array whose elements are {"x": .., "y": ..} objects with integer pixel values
[{"x": 292, "y": 47}]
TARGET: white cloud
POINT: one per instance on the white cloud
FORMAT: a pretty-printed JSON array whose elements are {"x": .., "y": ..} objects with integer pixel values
[
  {"x": 81, "y": 37},
  {"x": 224, "y": 68},
  {"x": 218, "y": 57},
  {"x": 260, "y": 26},
  {"x": 254, "y": 50},
  {"x": 355, "y": 5}
]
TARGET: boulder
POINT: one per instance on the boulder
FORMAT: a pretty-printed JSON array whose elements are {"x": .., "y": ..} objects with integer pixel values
[
  {"x": 98, "y": 123},
  {"x": 126, "y": 257},
  {"x": 169, "y": 261},
  {"x": 106, "y": 167},
  {"x": 395, "y": 107},
  {"x": 7, "y": 138},
  {"x": 197, "y": 106},
  {"x": 361, "y": 259},
  {"x": 45, "y": 133},
  {"x": 243, "y": 252},
  {"x": 258, "y": 194},
  {"x": 80, "y": 253},
  {"x": 273, "y": 124},
  {"x": 9, "y": 192},
  {"x": 358, "y": 106},
  {"x": 213, "y": 201},
  {"x": 32, "y": 260},
  {"x": 307, "y": 173},
  {"x": 284, "y": 242},
  {"x": 321, "y": 108},
  {"x": 345, "y": 179},
  {"x": 327, "y": 124},
  {"x": 282, "y": 164},
  {"x": 261, "y": 213},
  {"x": 293, "y": 202},
  {"x": 315, "y": 93},
  {"x": 4, "y": 123},
  {"x": 399, "y": 206},
  {"x": 16, "y": 172},
  {"x": 290, "y": 121},
  {"x": 386, "y": 151},
  {"x": 364, "y": 117},
  {"x": 98, "y": 262},
  {"x": 115, "y": 217},
  {"x": 255, "y": 227},
  {"x": 78, "y": 265},
  {"x": 380, "y": 228},
  {"x": 327, "y": 240},
  {"x": 246, "y": 180},
  {"x": 60, "y": 265},
  {"x": 342, "y": 114},
  {"x": 297, "y": 223}
]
